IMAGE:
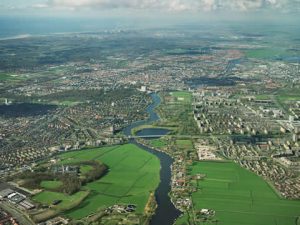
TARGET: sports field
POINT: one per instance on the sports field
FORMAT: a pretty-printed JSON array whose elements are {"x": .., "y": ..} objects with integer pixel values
[
  {"x": 133, "y": 173},
  {"x": 240, "y": 197},
  {"x": 184, "y": 96}
]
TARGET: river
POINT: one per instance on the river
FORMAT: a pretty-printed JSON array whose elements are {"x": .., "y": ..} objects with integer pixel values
[{"x": 165, "y": 213}]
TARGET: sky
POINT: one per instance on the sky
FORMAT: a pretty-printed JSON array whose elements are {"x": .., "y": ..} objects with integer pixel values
[
  {"x": 87, "y": 15},
  {"x": 88, "y": 7}
]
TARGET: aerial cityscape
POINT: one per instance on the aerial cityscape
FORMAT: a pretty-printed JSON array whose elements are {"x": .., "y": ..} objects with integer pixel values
[{"x": 150, "y": 112}]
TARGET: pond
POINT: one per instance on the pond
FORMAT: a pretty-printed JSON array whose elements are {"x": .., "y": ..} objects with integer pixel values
[{"x": 155, "y": 132}]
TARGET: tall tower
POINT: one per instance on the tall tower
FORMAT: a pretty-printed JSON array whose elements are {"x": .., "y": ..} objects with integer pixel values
[
  {"x": 147, "y": 78},
  {"x": 295, "y": 137}
]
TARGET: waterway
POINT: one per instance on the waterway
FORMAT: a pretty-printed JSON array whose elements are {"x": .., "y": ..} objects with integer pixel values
[
  {"x": 152, "y": 132},
  {"x": 25, "y": 109},
  {"x": 165, "y": 213}
]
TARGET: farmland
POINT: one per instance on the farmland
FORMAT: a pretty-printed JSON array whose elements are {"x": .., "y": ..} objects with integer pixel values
[
  {"x": 133, "y": 173},
  {"x": 239, "y": 197}
]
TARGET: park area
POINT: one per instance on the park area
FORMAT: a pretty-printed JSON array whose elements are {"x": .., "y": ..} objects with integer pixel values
[
  {"x": 240, "y": 197},
  {"x": 133, "y": 174},
  {"x": 176, "y": 112}
]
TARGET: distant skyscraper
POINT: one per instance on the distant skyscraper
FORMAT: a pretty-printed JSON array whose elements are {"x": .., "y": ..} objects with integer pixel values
[
  {"x": 295, "y": 137},
  {"x": 143, "y": 88},
  {"x": 147, "y": 77}
]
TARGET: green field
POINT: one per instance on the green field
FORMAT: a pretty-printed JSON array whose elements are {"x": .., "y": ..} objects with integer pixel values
[
  {"x": 10, "y": 77},
  {"x": 158, "y": 143},
  {"x": 65, "y": 103},
  {"x": 47, "y": 197},
  {"x": 52, "y": 184},
  {"x": 263, "y": 97},
  {"x": 284, "y": 98},
  {"x": 240, "y": 197},
  {"x": 288, "y": 95},
  {"x": 184, "y": 95},
  {"x": 133, "y": 173},
  {"x": 177, "y": 114},
  {"x": 85, "y": 169},
  {"x": 184, "y": 144},
  {"x": 266, "y": 53}
]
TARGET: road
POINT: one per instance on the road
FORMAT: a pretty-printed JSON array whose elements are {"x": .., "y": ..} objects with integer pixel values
[{"x": 20, "y": 216}]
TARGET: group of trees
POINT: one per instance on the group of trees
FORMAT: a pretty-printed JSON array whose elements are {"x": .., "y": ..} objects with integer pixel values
[
  {"x": 76, "y": 96},
  {"x": 99, "y": 170},
  {"x": 32, "y": 180},
  {"x": 71, "y": 182}
]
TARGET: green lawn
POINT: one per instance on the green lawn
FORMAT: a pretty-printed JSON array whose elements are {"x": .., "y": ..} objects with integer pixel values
[
  {"x": 178, "y": 114},
  {"x": 47, "y": 197},
  {"x": 10, "y": 77},
  {"x": 158, "y": 143},
  {"x": 262, "y": 97},
  {"x": 65, "y": 103},
  {"x": 266, "y": 53},
  {"x": 85, "y": 169},
  {"x": 4, "y": 76},
  {"x": 283, "y": 98},
  {"x": 288, "y": 94},
  {"x": 50, "y": 185},
  {"x": 133, "y": 173},
  {"x": 183, "y": 96},
  {"x": 184, "y": 144},
  {"x": 240, "y": 197}
]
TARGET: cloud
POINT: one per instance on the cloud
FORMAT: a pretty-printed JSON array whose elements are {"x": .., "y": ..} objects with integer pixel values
[
  {"x": 40, "y": 6},
  {"x": 104, "y": 3},
  {"x": 177, "y": 5}
]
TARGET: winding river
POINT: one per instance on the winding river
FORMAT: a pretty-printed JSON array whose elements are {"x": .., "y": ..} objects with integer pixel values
[{"x": 165, "y": 213}]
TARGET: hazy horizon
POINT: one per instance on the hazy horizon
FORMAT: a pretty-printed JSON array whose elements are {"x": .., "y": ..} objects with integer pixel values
[{"x": 54, "y": 16}]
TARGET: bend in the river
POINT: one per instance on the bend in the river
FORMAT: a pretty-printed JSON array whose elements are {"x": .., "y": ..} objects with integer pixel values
[{"x": 166, "y": 213}]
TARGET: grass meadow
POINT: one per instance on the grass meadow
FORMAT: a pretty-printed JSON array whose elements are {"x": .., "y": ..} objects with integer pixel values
[
  {"x": 240, "y": 197},
  {"x": 133, "y": 174}
]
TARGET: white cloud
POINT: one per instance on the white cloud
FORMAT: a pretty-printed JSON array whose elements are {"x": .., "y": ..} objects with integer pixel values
[
  {"x": 40, "y": 6},
  {"x": 208, "y": 5}
]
